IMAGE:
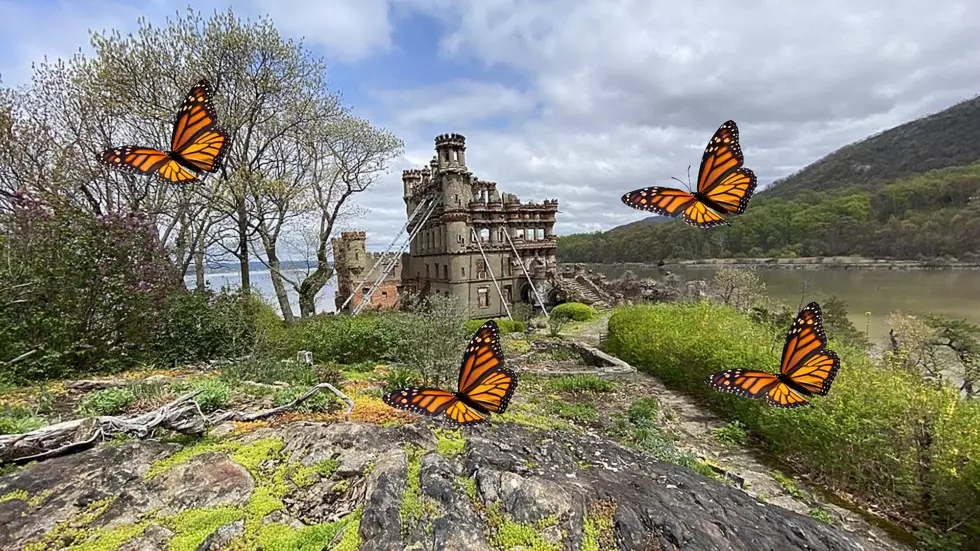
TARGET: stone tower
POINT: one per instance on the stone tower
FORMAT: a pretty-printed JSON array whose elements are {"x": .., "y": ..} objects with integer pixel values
[
  {"x": 350, "y": 262},
  {"x": 456, "y": 192}
]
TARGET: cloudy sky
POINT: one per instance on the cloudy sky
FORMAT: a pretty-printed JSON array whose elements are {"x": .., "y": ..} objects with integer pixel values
[{"x": 585, "y": 100}]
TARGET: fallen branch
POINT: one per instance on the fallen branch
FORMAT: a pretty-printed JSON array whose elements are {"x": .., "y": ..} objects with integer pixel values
[
  {"x": 245, "y": 417},
  {"x": 182, "y": 415}
]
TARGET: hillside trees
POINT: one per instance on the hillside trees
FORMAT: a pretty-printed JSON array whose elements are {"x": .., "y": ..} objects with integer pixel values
[
  {"x": 927, "y": 216},
  {"x": 289, "y": 163}
]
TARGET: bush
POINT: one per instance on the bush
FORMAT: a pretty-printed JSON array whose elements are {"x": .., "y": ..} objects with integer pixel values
[
  {"x": 575, "y": 311},
  {"x": 213, "y": 396},
  {"x": 580, "y": 383},
  {"x": 343, "y": 338},
  {"x": 109, "y": 401},
  {"x": 430, "y": 338},
  {"x": 78, "y": 292},
  {"x": 204, "y": 325},
  {"x": 881, "y": 434},
  {"x": 506, "y": 326}
]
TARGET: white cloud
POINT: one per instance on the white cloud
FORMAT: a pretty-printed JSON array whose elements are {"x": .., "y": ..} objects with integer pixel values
[
  {"x": 627, "y": 93},
  {"x": 348, "y": 30}
]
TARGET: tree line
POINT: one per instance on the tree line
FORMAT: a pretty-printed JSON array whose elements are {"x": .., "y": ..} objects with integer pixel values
[
  {"x": 297, "y": 155},
  {"x": 933, "y": 215}
]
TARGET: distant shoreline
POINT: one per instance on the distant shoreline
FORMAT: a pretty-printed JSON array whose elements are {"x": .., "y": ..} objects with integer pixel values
[{"x": 809, "y": 263}]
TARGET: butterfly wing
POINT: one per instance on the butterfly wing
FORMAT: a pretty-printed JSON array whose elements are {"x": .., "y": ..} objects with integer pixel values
[
  {"x": 432, "y": 401},
  {"x": 482, "y": 378},
  {"x": 743, "y": 382},
  {"x": 721, "y": 178},
  {"x": 699, "y": 215},
  {"x": 661, "y": 200},
  {"x": 782, "y": 396},
  {"x": 195, "y": 137},
  {"x": 806, "y": 361},
  {"x": 756, "y": 384},
  {"x": 146, "y": 160}
]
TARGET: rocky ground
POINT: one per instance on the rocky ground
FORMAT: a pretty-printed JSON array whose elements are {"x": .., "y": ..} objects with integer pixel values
[{"x": 578, "y": 462}]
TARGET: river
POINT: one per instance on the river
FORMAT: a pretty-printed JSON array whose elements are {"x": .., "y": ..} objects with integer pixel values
[
  {"x": 262, "y": 285},
  {"x": 953, "y": 293}
]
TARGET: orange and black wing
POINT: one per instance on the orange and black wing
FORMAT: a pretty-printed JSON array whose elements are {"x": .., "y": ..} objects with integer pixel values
[
  {"x": 806, "y": 361},
  {"x": 432, "y": 401},
  {"x": 721, "y": 178},
  {"x": 743, "y": 382},
  {"x": 483, "y": 379},
  {"x": 782, "y": 396},
  {"x": 756, "y": 384},
  {"x": 699, "y": 215},
  {"x": 665, "y": 201},
  {"x": 195, "y": 137},
  {"x": 146, "y": 160}
]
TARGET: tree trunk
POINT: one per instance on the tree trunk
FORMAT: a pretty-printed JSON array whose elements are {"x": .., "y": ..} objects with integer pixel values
[
  {"x": 277, "y": 283},
  {"x": 242, "y": 219},
  {"x": 311, "y": 286},
  {"x": 199, "y": 265}
]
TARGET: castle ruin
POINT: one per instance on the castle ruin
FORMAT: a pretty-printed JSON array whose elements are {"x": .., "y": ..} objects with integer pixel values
[{"x": 462, "y": 247}]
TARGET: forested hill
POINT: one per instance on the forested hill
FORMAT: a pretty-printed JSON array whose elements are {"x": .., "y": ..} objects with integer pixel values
[
  {"x": 947, "y": 138},
  {"x": 909, "y": 192}
]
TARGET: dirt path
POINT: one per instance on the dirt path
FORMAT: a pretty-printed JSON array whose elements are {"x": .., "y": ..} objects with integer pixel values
[{"x": 695, "y": 427}]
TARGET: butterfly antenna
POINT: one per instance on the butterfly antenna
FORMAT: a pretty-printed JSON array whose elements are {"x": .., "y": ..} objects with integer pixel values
[{"x": 683, "y": 183}]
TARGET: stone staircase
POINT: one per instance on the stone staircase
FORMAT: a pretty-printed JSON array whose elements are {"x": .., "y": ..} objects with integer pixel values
[{"x": 577, "y": 292}]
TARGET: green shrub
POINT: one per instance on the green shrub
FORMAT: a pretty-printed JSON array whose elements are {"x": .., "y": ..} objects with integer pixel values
[
  {"x": 109, "y": 401},
  {"x": 575, "y": 311},
  {"x": 643, "y": 411},
  {"x": 580, "y": 383},
  {"x": 213, "y": 396},
  {"x": 879, "y": 433},
  {"x": 269, "y": 370},
  {"x": 204, "y": 325},
  {"x": 506, "y": 326},
  {"x": 19, "y": 419},
  {"x": 343, "y": 338}
]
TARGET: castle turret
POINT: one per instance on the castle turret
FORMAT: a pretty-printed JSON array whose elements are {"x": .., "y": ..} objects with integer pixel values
[
  {"x": 412, "y": 183},
  {"x": 350, "y": 262},
  {"x": 451, "y": 151}
]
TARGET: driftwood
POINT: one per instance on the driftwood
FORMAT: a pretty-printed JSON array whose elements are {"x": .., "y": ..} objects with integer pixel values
[{"x": 182, "y": 415}]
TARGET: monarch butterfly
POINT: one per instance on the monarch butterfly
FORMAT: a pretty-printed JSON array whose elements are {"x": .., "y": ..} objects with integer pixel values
[
  {"x": 196, "y": 144},
  {"x": 484, "y": 384},
  {"x": 808, "y": 368},
  {"x": 723, "y": 186}
]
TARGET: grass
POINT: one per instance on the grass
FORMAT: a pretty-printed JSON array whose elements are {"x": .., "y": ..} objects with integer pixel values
[
  {"x": 868, "y": 436},
  {"x": 580, "y": 383}
]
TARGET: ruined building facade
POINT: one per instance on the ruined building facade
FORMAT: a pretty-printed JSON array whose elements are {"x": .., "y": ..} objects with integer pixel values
[{"x": 445, "y": 257}]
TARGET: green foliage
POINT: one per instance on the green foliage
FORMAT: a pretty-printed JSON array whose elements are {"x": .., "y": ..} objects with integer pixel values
[
  {"x": 345, "y": 339},
  {"x": 584, "y": 411},
  {"x": 925, "y": 216},
  {"x": 643, "y": 411},
  {"x": 883, "y": 434},
  {"x": 821, "y": 514},
  {"x": 320, "y": 402},
  {"x": 429, "y": 337},
  {"x": 575, "y": 311},
  {"x": 19, "y": 419},
  {"x": 108, "y": 401},
  {"x": 414, "y": 506},
  {"x": 836, "y": 323},
  {"x": 78, "y": 292},
  {"x": 401, "y": 378},
  {"x": 261, "y": 369},
  {"x": 213, "y": 396},
  {"x": 203, "y": 325},
  {"x": 505, "y": 533},
  {"x": 733, "y": 433},
  {"x": 449, "y": 443},
  {"x": 580, "y": 383},
  {"x": 506, "y": 325}
]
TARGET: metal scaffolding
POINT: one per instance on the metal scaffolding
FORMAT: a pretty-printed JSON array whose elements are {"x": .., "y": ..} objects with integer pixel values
[
  {"x": 389, "y": 261},
  {"x": 490, "y": 270},
  {"x": 527, "y": 275}
]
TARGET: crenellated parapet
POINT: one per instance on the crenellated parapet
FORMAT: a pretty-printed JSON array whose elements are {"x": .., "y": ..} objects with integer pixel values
[{"x": 353, "y": 235}]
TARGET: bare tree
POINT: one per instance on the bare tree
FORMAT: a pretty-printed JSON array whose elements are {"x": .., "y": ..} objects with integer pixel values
[
  {"x": 271, "y": 96},
  {"x": 355, "y": 155}
]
